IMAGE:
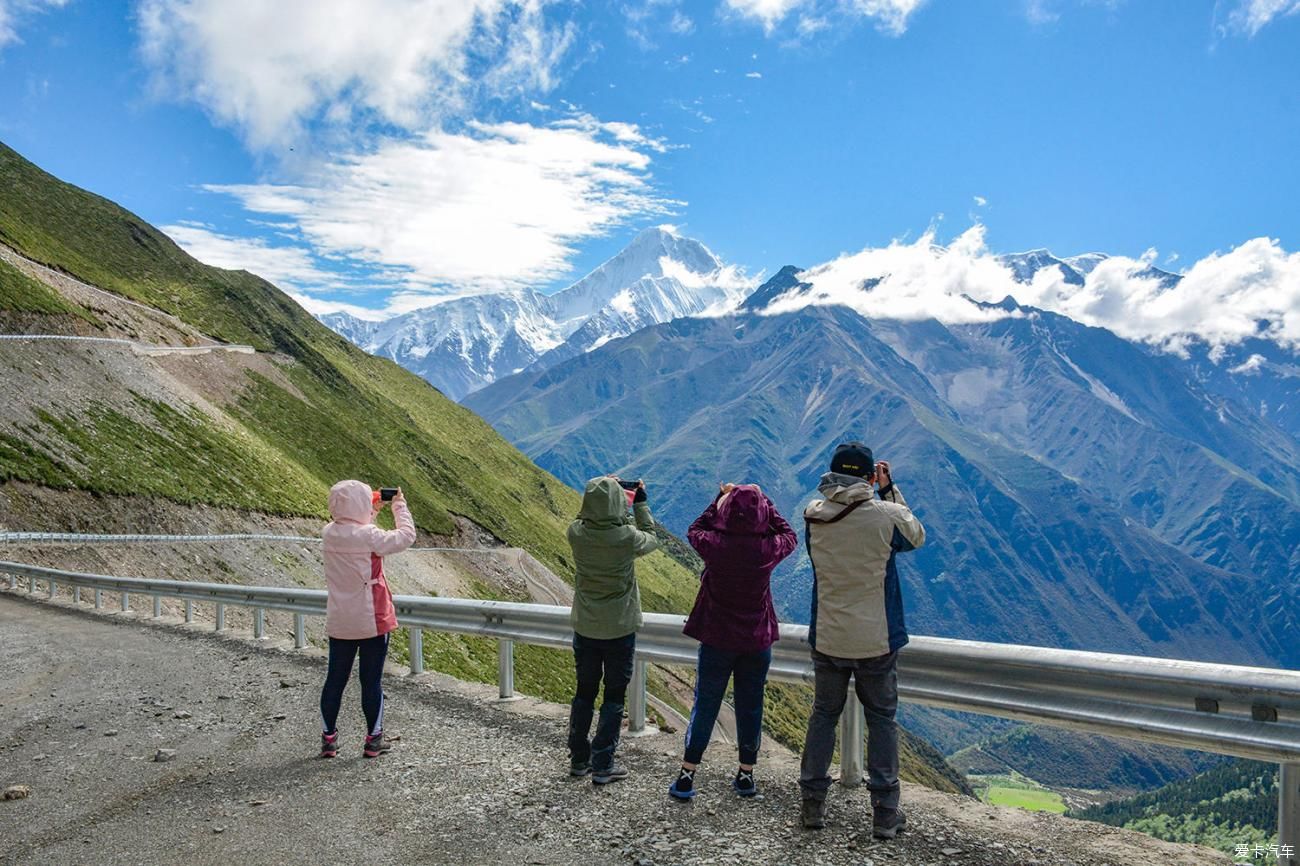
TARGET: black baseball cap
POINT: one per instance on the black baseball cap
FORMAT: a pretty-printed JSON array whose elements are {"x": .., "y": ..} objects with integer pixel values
[{"x": 853, "y": 458}]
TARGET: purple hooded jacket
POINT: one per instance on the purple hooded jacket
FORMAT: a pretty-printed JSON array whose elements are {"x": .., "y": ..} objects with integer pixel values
[{"x": 741, "y": 538}]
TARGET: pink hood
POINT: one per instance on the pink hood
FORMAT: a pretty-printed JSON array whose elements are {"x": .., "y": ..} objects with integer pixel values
[{"x": 351, "y": 502}]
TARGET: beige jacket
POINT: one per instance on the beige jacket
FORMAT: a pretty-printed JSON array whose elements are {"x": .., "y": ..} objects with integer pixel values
[{"x": 852, "y": 536}]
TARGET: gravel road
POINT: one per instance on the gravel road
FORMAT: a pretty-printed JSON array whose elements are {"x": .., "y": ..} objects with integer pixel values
[{"x": 89, "y": 699}]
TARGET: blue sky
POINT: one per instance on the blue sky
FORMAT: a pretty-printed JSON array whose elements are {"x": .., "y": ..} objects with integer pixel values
[{"x": 385, "y": 152}]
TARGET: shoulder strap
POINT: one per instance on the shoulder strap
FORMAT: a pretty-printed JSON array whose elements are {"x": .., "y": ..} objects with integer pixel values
[{"x": 845, "y": 512}]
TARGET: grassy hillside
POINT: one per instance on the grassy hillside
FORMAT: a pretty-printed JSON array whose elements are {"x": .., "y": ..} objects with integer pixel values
[
  {"x": 1232, "y": 804},
  {"x": 323, "y": 410}
]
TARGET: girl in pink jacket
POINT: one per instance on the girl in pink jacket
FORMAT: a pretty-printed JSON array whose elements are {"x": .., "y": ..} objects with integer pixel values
[{"x": 359, "y": 611}]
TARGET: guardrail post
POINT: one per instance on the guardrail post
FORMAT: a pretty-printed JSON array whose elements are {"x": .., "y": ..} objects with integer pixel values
[
  {"x": 259, "y": 623},
  {"x": 636, "y": 700},
  {"x": 99, "y": 599},
  {"x": 221, "y": 617},
  {"x": 31, "y": 585},
  {"x": 126, "y": 602},
  {"x": 851, "y": 721},
  {"x": 506, "y": 669},
  {"x": 189, "y": 610},
  {"x": 299, "y": 630},
  {"x": 157, "y": 605},
  {"x": 13, "y": 581},
  {"x": 1288, "y": 813},
  {"x": 54, "y": 587},
  {"x": 415, "y": 649},
  {"x": 76, "y": 595}
]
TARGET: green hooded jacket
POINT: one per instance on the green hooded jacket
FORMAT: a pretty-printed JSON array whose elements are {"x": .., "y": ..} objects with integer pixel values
[{"x": 606, "y": 599}]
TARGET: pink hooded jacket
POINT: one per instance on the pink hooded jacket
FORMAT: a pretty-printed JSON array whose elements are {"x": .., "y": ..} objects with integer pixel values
[{"x": 360, "y": 604}]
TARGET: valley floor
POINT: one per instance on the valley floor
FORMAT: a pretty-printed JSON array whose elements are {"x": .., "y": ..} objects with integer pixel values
[{"x": 90, "y": 698}]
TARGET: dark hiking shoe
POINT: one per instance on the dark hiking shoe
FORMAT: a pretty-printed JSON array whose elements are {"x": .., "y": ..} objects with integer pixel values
[
  {"x": 683, "y": 788},
  {"x": 605, "y": 775},
  {"x": 814, "y": 814},
  {"x": 744, "y": 783},
  {"x": 329, "y": 745},
  {"x": 578, "y": 769},
  {"x": 888, "y": 823},
  {"x": 376, "y": 745}
]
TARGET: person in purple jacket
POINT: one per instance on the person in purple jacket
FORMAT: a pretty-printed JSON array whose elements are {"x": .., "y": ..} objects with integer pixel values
[{"x": 741, "y": 538}]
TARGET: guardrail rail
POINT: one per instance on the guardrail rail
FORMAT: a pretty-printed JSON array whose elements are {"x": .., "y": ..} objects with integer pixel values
[{"x": 1247, "y": 712}]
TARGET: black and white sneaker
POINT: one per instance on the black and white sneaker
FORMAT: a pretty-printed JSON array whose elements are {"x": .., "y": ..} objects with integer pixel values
[
  {"x": 605, "y": 775},
  {"x": 744, "y": 783},
  {"x": 683, "y": 787}
]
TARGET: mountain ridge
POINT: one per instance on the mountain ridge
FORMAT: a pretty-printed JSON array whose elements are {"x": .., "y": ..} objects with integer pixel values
[{"x": 462, "y": 344}]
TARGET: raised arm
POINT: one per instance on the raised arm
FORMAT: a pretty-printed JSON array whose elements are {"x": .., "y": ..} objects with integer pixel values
[
  {"x": 781, "y": 535},
  {"x": 909, "y": 534},
  {"x": 386, "y": 543},
  {"x": 702, "y": 535},
  {"x": 646, "y": 540}
]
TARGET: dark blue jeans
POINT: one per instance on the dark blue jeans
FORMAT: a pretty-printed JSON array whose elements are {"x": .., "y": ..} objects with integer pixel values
[
  {"x": 593, "y": 660},
  {"x": 876, "y": 683},
  {"x": 714, "y": 669},
  {"x": 343, "y": 654}
]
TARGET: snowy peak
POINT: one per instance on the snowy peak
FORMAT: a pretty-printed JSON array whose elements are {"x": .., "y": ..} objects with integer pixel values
[
  {"x": 1025, "y": 265},
  {"x": 654, "y": 253},
  {"x": 463, "y": 344}
]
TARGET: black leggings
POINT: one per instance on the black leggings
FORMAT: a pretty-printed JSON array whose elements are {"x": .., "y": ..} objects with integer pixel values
[{"x": 342, "y": 654}]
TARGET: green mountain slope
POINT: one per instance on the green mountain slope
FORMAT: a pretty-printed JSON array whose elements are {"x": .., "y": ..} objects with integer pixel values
[
  {"x": 1063, "y": 759},
  {"x": 310, "y": 411},
  {"x": 1232, "y": 804}
]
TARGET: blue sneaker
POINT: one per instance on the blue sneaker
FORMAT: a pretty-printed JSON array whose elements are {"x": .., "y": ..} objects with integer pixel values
[
  {"x": 744, "y": 783},
  {"x": 683, "y": 787}
]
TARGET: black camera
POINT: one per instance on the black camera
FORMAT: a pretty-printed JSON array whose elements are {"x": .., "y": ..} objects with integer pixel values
[
  {"x": 629, "y": 485},
  {"x": 386, "y": 494}
]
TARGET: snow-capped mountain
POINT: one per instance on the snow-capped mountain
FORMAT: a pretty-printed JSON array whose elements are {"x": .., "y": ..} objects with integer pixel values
[{"x": 463, "y": 344}]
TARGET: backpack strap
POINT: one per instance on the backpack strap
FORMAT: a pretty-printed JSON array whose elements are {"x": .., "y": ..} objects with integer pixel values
[{"x": 845, "y": 512}]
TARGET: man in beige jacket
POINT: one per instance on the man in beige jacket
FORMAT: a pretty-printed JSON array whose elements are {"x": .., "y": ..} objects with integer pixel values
[{"x": 857, "y": 624}]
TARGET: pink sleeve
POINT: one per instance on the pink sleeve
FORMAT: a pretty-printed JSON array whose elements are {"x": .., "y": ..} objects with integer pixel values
[{"x": 385, "y": 543}]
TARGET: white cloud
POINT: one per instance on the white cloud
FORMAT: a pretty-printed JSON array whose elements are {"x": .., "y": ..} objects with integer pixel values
[
  {"x": 286, "y": 266},
  {"x": 12, "y": 11},
  {"x": 769, "y": 12},
  {"x": 889, "y": 16},
  {"x": 1248, "y": 17},
  {"x": 270, "y": 70},
  {"x": 495, "y": 207},
  {"x": 980, "y": 201},
  {"x": 916, "y": 281},
  {"x": 753, "y": 75},
  {"x": 1251, "y": 291},
  {"x": 681, "y": 24},
  {"x": 1223, "y": 299},
  {"x": 811, "y": 25}
]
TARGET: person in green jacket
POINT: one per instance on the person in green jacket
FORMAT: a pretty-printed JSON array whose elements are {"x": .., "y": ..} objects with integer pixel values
[{"x": 606, "y": 614}]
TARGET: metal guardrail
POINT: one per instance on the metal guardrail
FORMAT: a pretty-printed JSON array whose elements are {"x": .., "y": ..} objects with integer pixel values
[{"x": 1247, "y": 712}]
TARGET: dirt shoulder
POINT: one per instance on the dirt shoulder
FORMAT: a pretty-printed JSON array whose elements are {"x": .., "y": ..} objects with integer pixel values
[{"x": 90, "y": 698}]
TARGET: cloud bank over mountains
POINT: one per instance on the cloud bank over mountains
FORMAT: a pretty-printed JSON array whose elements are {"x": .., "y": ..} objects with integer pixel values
[{"x": 1252, "y": 290}]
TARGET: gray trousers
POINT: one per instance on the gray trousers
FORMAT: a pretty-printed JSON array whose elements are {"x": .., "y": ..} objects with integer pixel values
[{"x": 876, "y": 681}]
